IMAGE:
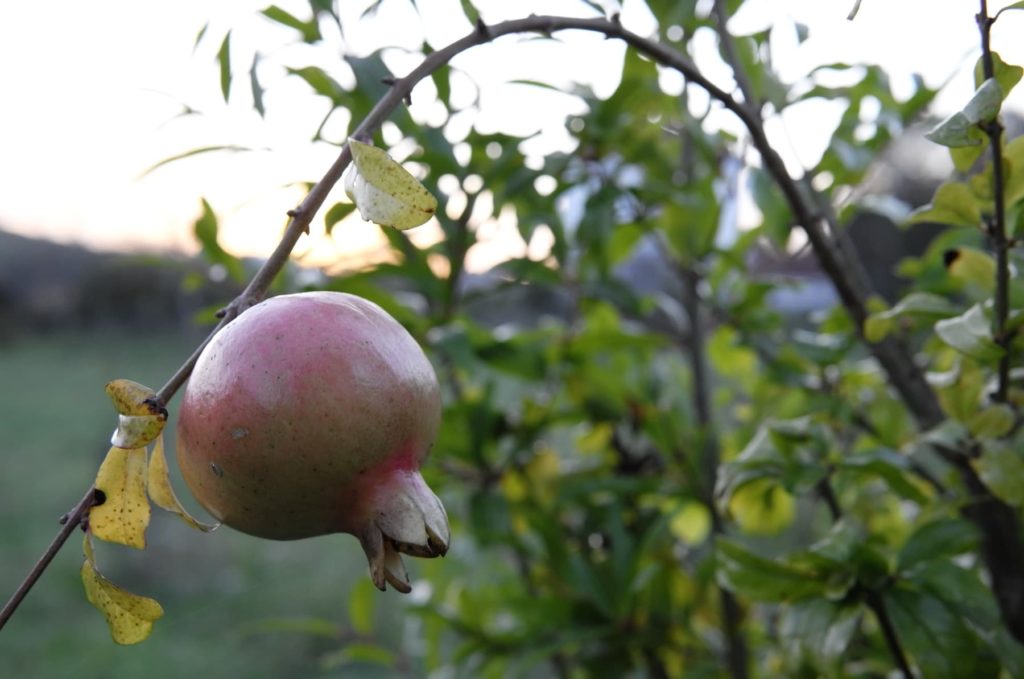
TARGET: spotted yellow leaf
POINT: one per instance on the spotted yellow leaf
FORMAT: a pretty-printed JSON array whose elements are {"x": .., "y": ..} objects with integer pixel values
[
  {"x": 137, "y": 431},
  {"x": 132, "y": 398},
  {"x": 158, "y": 484},
  {"x": 124, "y": 514},
  {"x": 140, "y": 419},
  {"x": 384, "y": 191},
  {"x": 130, "y": 616}
]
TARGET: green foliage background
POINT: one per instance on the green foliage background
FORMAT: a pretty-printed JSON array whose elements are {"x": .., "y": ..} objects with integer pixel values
[{"x": 679, "y": 481}]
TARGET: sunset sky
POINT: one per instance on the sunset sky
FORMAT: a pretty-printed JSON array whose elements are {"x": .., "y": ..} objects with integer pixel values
[{"x": 91, "y": 92}]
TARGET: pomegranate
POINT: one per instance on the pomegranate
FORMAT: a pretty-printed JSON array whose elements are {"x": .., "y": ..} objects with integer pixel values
[{"x": 311, "y": 414}]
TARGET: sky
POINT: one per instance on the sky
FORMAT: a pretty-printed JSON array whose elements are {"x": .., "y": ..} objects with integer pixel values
[{"x": 92, "y": 94}]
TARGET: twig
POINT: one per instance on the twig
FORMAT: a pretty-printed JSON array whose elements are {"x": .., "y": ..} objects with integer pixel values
[
  {"x": 997, "y": 223},
  {"x": 729, "y": 48},
  {"x": 877, "y": 605},
  {"x": 70, "y": 522},
  {"x": 872, "y": 599},
  {"x": 737, "y": 656}
]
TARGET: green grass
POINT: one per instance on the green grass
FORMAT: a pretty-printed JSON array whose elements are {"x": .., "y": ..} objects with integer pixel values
[{"x": 224, "y": 594}]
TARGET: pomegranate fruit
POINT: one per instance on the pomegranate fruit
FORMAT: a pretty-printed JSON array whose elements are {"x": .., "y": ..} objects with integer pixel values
[{"x": 311, "y": 414}]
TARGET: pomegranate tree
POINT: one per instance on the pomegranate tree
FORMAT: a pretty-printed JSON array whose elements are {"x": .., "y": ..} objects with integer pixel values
[{"x": 311, "y": 414}]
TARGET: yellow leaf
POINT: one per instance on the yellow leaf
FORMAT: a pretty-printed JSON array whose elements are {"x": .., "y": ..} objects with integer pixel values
[
  {"x": 691, "y": 523},
  {"x": 384, "y": 191},
  {"x": 137, "y": 431},
  {"x": 129, "y": 616},
  {"x": 158, "y": 483},
  {"x": 124, "y": 514},
  {"x": 140, "y": 419},
  {"x": 132, "y": 398},
  {"x": 762, "y": 508}
]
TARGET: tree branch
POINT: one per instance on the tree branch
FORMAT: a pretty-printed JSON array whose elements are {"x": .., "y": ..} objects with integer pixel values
[
  {"x": 70, "y": 522},
  {"x": 997, "y": 224},
  {"x": 872, "y": 599}
]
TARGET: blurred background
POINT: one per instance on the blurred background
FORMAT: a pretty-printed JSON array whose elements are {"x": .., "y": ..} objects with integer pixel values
[{"x": 139, "y": 191}]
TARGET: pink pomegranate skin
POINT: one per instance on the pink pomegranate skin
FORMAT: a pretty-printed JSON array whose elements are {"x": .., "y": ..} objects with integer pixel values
[{"x": 311, "y": 414}]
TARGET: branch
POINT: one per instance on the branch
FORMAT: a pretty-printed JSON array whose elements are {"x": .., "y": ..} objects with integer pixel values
[
  {"x": 872, "y": 599},
  {"x": 70, "y": 522},
  {"x": 997, "y": 223},
  {"x": 737, "y": 656},
  {"x": 999, "y": 524}
]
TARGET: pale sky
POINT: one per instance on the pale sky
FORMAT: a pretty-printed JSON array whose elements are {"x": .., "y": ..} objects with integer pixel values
[{"x": 91, "y": 90}]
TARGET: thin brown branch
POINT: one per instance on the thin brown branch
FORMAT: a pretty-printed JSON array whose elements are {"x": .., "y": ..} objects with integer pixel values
[
  {"x": 737, "y": 656},
  {"x": 69, "y": 522},
  {"x": 732, "y": 58},
  {"x": 872, "y": 599},
  {"x": 877, "y": 605}
]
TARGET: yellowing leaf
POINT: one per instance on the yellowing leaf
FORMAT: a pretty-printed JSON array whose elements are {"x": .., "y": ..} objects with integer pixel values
[
  {"x": 129, "y": 616},
  {"x": 140, "y": 419},
  {"x": 132, "y": 398},
  {"x": 384, "y": 191},
  {"x": 158, "y": 483},
  {"x": 137, "y": 431},
  {"x": 124, "y": 514},
  {"x": 691, "y": 523},
  {"x": 762, "y": 508}
]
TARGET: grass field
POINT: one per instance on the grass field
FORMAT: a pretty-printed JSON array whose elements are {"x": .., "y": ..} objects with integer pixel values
[{"x": 235, "y": 606}]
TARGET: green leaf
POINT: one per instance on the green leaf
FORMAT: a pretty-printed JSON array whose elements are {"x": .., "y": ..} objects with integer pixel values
[
  {"x": 358, "y": 653},
  {"x": 361, "y": 599},
  {"x": 1007, "y": 75},
  {"x": 740, "y": 570},
  {"x": 937, "y": 638},
  {"x": 984, "y": 105},
  {"x": 310, "y": 30},
  {"x": 224, "y": 59},
  {"x": 384, "y": 191},
  {"x": 322, "y": 84},
  {"x": 195, "y": 152},
  {"x": 991, "y": 422},
  {"x": 970, "y": 334},
  {"x": 915, "y": 305},
  {"x": 937, "y": 540},
  {"x": 254, "y": 85},
  {"x": 972, "y": 266},
  {"x": 1016, "y": 5},
  {"x": 1001, "y": 467},
  {"x": 888, "y": 465},
  {"x": 337, "y": 213},
  {"x": 205, "y": 229},
  {"x": 953, "y": 203},
  {"x": 1013, "y": 153},
  {"x": 964, "y": 157},
  {"x": 955, "y": 131},
  {"x": 820, "y": 627}
]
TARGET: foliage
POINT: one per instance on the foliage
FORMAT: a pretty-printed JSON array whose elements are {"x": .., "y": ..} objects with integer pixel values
[{"x": 663, "y": 473}]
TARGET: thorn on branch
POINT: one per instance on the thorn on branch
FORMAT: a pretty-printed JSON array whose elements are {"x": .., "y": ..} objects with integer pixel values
[
  {"x": 482, "y": 29},
  {"x": 616, "y": 19}
]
